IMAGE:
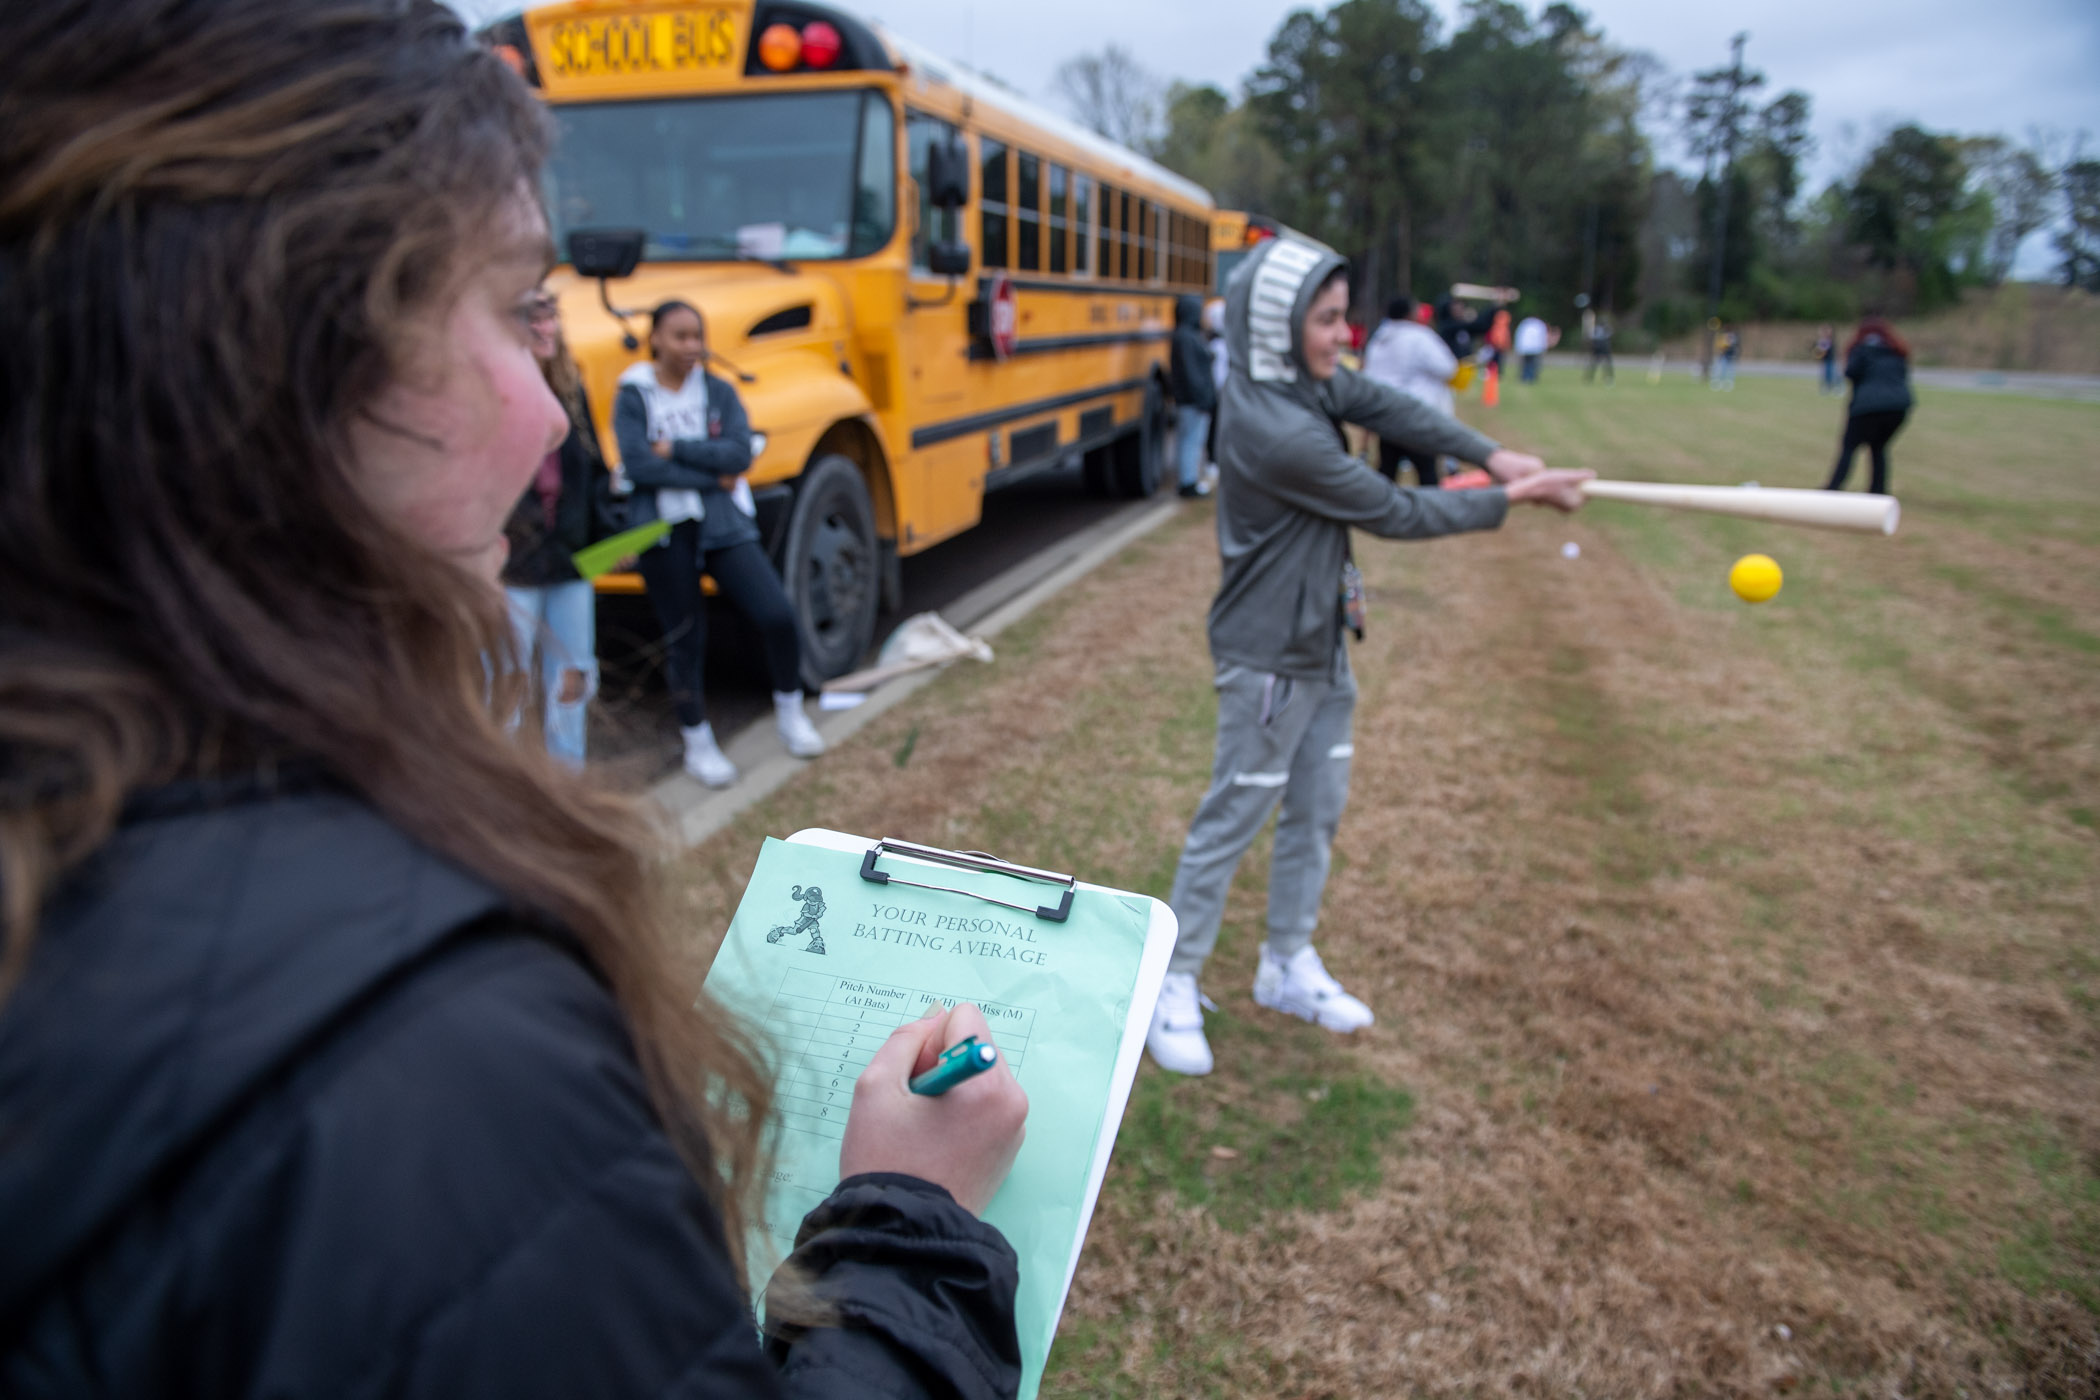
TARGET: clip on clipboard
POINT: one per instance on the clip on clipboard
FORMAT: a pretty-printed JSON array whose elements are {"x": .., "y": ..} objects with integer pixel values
[{"x": 970, "y": 860}]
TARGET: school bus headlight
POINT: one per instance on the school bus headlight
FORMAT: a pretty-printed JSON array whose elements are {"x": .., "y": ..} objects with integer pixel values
[{"x": 780, "y": 47}]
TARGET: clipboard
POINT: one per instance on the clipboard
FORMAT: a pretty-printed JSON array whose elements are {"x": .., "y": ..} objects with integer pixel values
[
  {"x": 782, "y": 958},
  {"x": 1160, "y": 934}
]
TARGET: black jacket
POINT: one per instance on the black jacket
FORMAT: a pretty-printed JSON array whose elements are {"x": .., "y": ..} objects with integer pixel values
[
  {"x": 540, "y": 554},
  {"x": 289, "y": 1106},
  {"x": 1188, "y": 364},
  {"x": 1880, "y": 377}
]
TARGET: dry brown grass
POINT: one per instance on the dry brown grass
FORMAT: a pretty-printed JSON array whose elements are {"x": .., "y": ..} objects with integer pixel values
[
  {"x": 2019, "y": 326},
  {"x": 1741, "y": 964}
]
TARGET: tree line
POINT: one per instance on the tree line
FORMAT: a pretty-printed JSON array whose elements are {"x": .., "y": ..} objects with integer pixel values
[{"x": 1520, "y": 149}]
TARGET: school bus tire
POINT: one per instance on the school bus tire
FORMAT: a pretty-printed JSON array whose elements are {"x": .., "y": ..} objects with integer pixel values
[
  {"x": 1140, "y": 454},
  {"x": 832, "y": 566}
]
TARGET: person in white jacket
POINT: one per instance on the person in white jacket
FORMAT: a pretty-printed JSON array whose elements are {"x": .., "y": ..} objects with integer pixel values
[{"x": 1407, "y": 355}]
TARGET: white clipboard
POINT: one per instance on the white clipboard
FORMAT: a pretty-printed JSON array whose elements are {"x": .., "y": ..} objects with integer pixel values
[{"x": 1160, "y": 934}]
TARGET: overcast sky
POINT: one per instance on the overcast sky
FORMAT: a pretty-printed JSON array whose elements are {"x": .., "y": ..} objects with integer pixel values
[{"x": 1952, "y": 65}]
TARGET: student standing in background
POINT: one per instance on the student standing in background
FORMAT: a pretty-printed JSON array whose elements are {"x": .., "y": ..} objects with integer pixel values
[
  {"x": 1826, "y": 357},
  {"x": 1407, "y": 355},
  {"x": 1878, "y": 364},
  {"x": 1531, "y": 343},
  {"x": 1188, "y": 377},
  {"x": 554, "y": 609}
]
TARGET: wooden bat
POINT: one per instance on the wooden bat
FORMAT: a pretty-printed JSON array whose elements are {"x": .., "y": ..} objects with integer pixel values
[{"x": 1831, "y": 510}]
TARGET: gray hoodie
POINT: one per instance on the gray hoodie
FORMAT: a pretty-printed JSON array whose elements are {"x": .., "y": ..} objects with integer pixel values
[{"x": 1288, "y": 490}]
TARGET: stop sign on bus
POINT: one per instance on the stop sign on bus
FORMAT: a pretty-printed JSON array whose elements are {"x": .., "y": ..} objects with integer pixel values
[{"x": 1004, "y": 320}]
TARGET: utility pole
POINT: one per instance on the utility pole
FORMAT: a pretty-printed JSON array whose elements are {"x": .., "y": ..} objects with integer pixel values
[{"x": 1731, "y": 124}]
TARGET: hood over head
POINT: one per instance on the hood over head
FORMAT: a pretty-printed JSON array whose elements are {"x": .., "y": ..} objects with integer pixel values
[
  {"x": 1265, "y": 305},
  {"x": 1188, "y": 312}
]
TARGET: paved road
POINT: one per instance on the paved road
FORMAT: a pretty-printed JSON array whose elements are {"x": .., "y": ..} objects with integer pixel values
[
  {"x": 2081, "y": 387},
  {"x": 634, "y": 733}
]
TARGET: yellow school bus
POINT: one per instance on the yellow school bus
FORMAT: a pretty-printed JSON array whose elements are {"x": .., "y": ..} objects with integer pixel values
[{"x": 926, "y": 286}]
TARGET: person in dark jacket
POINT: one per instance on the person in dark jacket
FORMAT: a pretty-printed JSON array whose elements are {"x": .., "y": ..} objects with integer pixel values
[
  {"x": 1195, "y": 396},
  {"x": 685, "y": 444},
  {"x": 555, "y": 609},
  {"x": 1878, "y": 364},
  {"x": 347, "y": 1046}
]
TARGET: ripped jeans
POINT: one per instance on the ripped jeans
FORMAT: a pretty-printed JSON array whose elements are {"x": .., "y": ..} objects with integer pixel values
[
  {"x": 559, "y": 623},
  {"x": 1281, "y": 740}
]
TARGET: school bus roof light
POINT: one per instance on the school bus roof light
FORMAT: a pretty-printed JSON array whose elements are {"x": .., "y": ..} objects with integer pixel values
[
  {"x": 821, "y": 44},
  {"x": 780, "y": 47}
]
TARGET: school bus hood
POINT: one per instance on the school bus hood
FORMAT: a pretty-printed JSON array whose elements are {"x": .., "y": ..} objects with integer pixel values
[{"x": 788, "y": 331}]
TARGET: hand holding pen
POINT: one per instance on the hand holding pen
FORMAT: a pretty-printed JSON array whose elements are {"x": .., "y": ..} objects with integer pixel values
[{"x": 963, "y": 1139}]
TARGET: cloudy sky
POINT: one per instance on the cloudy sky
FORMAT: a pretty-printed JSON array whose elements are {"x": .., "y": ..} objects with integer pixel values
[{"x": 1954, "y": 65}]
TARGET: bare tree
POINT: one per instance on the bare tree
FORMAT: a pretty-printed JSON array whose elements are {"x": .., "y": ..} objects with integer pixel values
[{"x": 1111, "y": 93}]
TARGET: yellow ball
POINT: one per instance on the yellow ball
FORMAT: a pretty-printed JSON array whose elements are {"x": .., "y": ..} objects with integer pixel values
[{"x": 1755, "y": 578}]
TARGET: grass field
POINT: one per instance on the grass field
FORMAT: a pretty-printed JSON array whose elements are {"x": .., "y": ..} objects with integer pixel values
[{"x": 1737, "y": 969}]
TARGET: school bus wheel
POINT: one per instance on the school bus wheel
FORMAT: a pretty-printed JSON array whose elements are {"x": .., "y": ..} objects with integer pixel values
[
  {"x": 1140, "y": 453},
  {"x": 832, "y": 566}
]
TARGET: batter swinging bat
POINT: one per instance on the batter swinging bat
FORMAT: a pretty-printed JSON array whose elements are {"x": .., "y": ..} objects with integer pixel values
[{"x": 1833, "y": 510}]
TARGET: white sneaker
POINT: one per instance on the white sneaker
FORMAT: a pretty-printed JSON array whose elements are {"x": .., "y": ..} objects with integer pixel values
[
  {"x": 1176, "y": 1037},
  {"x": 704, "y": 759},
  {"x": 1302, "y": 987},
  {"x": 796, "y": 731}
]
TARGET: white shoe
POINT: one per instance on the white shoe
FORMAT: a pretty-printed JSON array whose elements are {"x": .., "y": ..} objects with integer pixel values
[
  {"x": 796, "y": 731},
  {"x": 704, "y": 759},
  {"x": 1302, "y": 987},
  {"x": 1176, "y": 1037}
]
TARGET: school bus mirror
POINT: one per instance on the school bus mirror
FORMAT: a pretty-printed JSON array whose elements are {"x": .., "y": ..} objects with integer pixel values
[
  {"x": 948, "y": 175},
  {"x": 606, "y": 252},
  {"x": 948, "y": 259}
]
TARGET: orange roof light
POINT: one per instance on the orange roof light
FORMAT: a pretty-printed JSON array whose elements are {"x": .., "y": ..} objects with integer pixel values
[
  {"x": 820, "y": 44},
  {"x": 780, "y": 47}
]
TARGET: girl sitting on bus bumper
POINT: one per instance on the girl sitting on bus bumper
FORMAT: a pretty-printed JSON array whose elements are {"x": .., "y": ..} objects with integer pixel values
[{"x": 684, "y": 440}]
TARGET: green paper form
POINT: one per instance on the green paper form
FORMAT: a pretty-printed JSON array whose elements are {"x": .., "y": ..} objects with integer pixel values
[{"x": 828, "y": 964}]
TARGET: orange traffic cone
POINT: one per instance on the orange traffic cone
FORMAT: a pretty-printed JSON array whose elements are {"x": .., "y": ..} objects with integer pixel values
[{"x": 1491, "y": 387}]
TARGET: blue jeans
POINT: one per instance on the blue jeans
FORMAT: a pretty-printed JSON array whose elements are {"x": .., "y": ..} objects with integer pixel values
[
  {"x": 1191, "y": 427},
  {"x": 559, "y": 622}
]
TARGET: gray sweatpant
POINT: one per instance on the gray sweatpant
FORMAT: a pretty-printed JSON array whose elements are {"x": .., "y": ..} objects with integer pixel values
[{"x": 1280, "y": 739}]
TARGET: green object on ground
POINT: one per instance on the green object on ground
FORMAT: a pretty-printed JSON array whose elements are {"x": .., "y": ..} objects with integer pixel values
[
  {"x": 593, "y": 560},
  {"x": 827, "y": 964}
]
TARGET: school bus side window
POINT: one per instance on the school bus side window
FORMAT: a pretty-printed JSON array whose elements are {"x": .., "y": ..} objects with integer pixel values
[
  {"x": 923, "y": 133},
  {"x": 1109, "y": 239},
  {"x": 1028, "y": 216},
  {"x": 1082, "y": 223},
  {"x": 1058, "y": 217},
  {"x": 991, "y": 160}
]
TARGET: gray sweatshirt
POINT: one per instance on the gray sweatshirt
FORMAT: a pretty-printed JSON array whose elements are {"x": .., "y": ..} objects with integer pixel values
[{"x": 1289, "y": 492}]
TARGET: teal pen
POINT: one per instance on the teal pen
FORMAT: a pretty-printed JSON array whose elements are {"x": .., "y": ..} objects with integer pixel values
[{"x": 960, "y": 1061}]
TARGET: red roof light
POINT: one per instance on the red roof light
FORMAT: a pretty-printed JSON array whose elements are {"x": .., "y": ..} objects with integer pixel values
[{"x": 820, "y": 44}]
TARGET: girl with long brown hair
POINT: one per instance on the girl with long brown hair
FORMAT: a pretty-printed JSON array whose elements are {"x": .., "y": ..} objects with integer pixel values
[{"x": 347, "y": 1043}]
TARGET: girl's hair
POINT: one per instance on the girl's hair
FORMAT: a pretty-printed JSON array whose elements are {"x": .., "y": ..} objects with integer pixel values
[
  {"x": 219, "y": 226},
  {"x": 664, "y": 309},
  {"x": 1875, "y": 325},
  {"x": 566, "y": 380}
]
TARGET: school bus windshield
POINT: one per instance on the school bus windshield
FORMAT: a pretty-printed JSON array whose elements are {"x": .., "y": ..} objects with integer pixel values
[{"x": 809, "y": 175}]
